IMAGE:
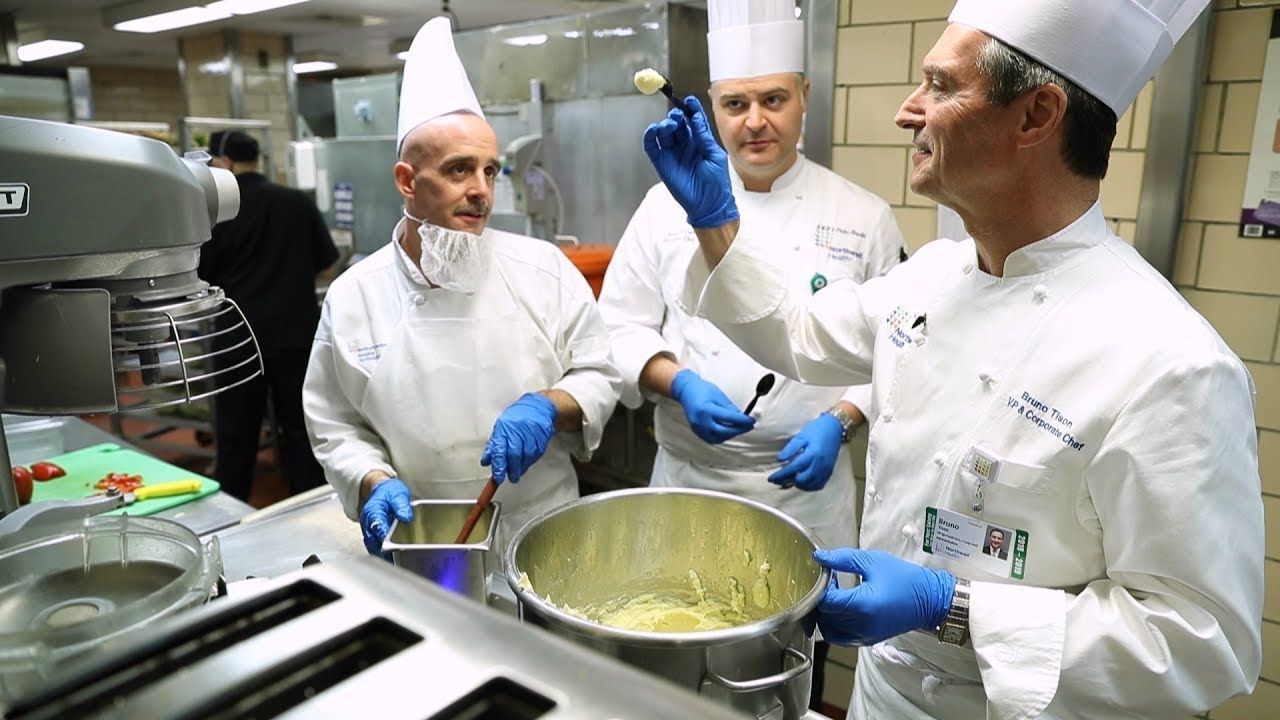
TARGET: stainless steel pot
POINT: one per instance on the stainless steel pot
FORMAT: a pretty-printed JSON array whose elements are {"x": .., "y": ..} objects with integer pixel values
[
  {"x": 67, "y": 587},
  {"x": 584, "y": 552}
]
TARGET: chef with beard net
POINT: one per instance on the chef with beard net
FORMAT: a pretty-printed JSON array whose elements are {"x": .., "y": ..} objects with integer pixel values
[{"x": 456, "y": 351}]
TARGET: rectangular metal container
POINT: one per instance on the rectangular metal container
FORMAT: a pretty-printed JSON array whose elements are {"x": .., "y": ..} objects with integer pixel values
[{"x": 425, "y": 547}]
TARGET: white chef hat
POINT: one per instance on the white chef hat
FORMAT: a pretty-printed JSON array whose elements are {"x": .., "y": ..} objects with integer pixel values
[
  {"x": 750, "y": 38},
  {"x": 435, "y": 83},
  {"x": 1108, "y": 47}
]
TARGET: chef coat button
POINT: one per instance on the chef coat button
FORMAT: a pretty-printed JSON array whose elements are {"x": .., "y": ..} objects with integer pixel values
[
  {"x": 418, "y": 299},
  {"x": 939, "y": 459},
  {"x": 887, "y": 415},
  {"x": 871, "y": 488},
  {"x": 984, "y": 376},
  {"x": 1040, "y": 292},
  {"x": 968, "y": 268},
  {"x": 715, "y": 352},
  {"x": 908, "y": 530}
]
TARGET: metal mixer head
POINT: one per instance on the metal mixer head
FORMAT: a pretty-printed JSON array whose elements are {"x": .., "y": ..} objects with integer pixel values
[{"x": 101, "y": 309}]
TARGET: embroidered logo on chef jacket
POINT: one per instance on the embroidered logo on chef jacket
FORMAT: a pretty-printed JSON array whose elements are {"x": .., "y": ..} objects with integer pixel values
[
  {"x": 365, "y": 354},
  {"x": 832, "y": 241},
  {"x": 1046, "y": 417},
  {"x": 905, "y": 327}
]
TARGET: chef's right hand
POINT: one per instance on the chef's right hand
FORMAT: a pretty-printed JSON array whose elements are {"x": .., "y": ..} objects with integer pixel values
[
  {"x": 693, "y": 166},
  {"x": 713, "y": 417},
  {"x": 389, "y": 497}
]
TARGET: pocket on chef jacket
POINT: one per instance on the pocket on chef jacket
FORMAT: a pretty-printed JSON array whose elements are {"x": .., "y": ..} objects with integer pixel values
[{"x": 999, "y": 473}]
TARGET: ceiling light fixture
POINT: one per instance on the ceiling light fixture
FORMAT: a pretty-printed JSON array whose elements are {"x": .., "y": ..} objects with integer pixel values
[
  {"x": 151, "y": 16},
  {"x": 313, "y": 66},
  {"x": 32, "y": 52},
  {"x": 526, "y": 40},
  {"x": 248, "y": 7},
  {"x": 170, "y": 20}
]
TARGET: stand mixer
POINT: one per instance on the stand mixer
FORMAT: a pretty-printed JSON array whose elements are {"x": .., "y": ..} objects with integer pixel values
[{"x": 101, "y": 309}]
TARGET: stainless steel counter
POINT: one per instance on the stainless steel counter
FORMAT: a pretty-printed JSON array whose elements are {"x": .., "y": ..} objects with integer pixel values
[{"x": 276, "y": 539}]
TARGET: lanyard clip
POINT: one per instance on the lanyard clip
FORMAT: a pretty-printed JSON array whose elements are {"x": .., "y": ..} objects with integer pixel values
[{"x": 985, "y": 468}]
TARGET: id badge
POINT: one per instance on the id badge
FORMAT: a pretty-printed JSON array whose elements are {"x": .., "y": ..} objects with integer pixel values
[{"x": 998, "y": 549}]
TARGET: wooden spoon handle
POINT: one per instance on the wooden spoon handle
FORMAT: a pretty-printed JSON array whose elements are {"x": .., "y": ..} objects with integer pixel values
[{"x": 482, "y": 502}]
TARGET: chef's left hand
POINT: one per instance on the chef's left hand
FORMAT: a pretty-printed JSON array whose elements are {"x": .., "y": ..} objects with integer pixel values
[
  {"x": 520, "y": 436},
  {"x": 895, "y": 596},
  {"x": 810, "y": 456}
]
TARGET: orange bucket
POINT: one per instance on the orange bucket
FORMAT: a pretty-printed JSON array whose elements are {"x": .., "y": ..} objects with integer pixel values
[{"x": 591, "y": 261}]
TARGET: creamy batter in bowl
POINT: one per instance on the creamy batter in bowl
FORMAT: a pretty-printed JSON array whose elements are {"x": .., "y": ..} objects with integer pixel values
[
  {"x": 653, "y": 563},
  {"x": 705, "y": 589}
]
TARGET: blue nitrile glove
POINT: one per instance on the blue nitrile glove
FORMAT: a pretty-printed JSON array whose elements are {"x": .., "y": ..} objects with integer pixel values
[
  {"x": 895, "y": 596},
  {"x": 810, "y": 456},
  {"x": 693, "y": 165},
  {"x": 713, "y": 417},
  {"x": 389, "y": 497},
  {"x": 520, "y": 436}
]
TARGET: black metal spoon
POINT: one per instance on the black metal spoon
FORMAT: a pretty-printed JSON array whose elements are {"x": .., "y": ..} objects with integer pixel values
[{"x": 762, "y": 388}]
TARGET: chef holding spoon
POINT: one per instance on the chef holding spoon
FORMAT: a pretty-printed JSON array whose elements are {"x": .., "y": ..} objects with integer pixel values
[{"x": 836, "y": 232}]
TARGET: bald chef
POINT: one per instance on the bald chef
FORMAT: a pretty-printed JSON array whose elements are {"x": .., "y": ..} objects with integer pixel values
[
  {"x": 454, "y": 348},
  {"x": 1039, "y": 379}
]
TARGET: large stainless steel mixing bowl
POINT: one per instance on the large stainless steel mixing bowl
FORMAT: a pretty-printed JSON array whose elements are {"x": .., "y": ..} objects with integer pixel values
[{"x": 587, "y": 551}]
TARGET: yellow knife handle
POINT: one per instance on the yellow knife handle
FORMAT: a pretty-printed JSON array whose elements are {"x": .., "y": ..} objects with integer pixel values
[{"x": 179, "y": 487}]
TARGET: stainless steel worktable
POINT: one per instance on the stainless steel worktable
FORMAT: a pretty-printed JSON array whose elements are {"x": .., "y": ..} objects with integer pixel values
[{"x": 276, "y": 539}]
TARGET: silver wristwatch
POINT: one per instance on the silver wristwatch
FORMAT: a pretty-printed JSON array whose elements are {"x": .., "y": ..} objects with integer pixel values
[
  {"x": 955, "y": 627},
  {"x": 847, "y": 424}
]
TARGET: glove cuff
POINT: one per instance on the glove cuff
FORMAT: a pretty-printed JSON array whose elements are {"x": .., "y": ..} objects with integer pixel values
[
  {"x": 723, "y": 215},
  {"x": 543, "y": 402},
  {"x": 678, "y": 383},
  {"x": 943, "y": 591},
  {"x": 385, "y": 487}
]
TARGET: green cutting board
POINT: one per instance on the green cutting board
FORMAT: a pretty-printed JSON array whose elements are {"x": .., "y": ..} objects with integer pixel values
[{"x": 86, "y": 466}]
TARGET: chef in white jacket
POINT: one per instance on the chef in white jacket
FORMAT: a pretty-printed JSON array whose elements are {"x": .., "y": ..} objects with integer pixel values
[
  {"x": 1039, "y": 378},
  {"x": 834, "y": 230},
  {"x": 455, "y": 351}
]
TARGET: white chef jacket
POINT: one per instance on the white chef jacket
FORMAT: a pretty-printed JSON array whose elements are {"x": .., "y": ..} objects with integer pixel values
[
  {"x": 835, "y": 230},
  {"x": 1125, "y": 432},
  {"x": 409, "y": 379}
]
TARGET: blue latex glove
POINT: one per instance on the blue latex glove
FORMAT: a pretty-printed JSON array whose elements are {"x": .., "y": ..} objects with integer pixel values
[
  {"x": 810, "y": 456},
  {"x": 713, "y": 417},
  {"x": 694, "y": 167},
  {"x": 896, "y": 596},
  {"x": 520, "y": 436},
  {"x": 389, "y": 497}
]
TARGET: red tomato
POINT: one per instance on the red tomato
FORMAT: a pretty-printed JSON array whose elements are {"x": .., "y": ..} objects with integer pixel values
[
  {"x": 122, "y": 481},
  {"x": 22, "y": 483},
  {"x": 46, "y": 471}
]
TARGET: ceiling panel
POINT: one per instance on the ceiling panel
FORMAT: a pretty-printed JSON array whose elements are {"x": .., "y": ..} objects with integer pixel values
[{"x": 357, "y": 34}]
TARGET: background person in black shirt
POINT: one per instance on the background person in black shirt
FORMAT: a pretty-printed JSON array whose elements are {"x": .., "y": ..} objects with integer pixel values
[{"x": 266, "y": 259}]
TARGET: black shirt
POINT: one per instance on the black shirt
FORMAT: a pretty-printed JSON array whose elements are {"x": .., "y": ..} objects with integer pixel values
[{"x": 266, "y": 259}]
